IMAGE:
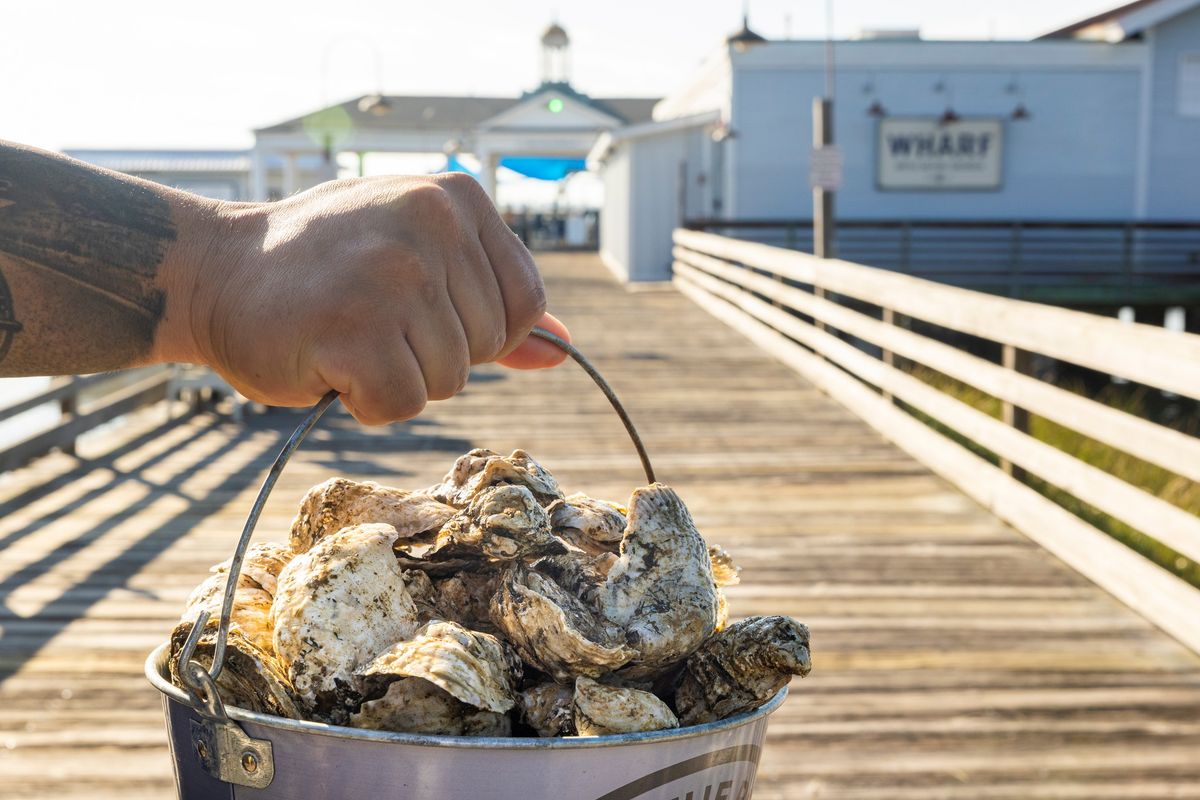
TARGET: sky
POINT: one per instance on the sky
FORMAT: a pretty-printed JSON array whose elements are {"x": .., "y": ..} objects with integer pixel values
[{"x": 163, "y": 73}]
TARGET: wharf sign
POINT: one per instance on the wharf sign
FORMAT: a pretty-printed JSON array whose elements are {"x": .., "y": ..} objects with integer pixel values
[{"x": 927, "y": 154}]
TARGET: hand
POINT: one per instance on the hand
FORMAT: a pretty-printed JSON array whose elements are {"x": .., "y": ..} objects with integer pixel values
[{"x": 385, "y": 289}]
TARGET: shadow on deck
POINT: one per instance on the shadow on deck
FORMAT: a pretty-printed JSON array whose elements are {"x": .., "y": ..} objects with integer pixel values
[{"x": 953, "y": 657}]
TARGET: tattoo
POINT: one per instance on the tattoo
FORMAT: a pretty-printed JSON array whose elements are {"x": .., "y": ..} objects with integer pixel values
[
  {"x": 91, "y": 229},
  {"x": 9, "y": 327}
]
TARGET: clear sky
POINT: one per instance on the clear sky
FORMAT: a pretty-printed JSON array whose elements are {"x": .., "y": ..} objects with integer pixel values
[{"x": 163, "y": 73}]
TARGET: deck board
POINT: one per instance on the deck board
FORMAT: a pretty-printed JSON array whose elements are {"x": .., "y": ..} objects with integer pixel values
[{"x": 953, "y": 657}]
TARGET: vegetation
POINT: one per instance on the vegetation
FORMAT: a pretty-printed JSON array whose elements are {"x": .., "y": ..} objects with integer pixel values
[{"x": 1167, "y": 485}]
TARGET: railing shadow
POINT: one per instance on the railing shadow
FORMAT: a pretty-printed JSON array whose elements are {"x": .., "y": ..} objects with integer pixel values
[{"x": 342, "y": 451}]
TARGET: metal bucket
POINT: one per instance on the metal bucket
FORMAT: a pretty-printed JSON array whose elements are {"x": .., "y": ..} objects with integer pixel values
[
  {"x": 313, "y": 761},
  {"x": 227, "y": 753}
]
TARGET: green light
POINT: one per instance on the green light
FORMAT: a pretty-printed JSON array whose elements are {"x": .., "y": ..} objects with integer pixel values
[{"x": 554, "y": 105}]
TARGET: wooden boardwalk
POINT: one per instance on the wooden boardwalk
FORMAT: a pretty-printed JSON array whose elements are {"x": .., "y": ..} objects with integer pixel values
[{"x": 953, "y": 658}]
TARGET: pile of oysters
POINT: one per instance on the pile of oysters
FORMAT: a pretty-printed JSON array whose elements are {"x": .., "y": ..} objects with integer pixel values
[{"x": 491, "y": 605}]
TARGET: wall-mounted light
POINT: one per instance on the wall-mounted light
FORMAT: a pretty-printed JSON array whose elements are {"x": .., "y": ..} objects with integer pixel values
[
  {"x": 876, "y": 110},
  {"x": 721, "y": 131},
  {"x": 948, "y": 116},
  {"x": 375, "y": 104},
  {"x": 1020, "y": 112}
]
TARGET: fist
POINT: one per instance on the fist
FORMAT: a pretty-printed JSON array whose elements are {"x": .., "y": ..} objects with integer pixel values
[{"x": 384, "y": 289}]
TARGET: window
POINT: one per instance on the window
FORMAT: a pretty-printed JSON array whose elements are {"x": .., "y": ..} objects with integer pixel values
[{"x": 1189, "y": 84}]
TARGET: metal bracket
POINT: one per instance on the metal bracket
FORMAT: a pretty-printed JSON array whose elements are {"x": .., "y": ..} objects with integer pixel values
[{"x": 229, "y": 755}]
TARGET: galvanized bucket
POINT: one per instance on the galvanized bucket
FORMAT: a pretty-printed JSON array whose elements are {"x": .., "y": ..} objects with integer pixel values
[{"x": 228, "y": 753}]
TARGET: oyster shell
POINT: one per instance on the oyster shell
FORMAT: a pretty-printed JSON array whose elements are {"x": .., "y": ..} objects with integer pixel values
[
  {"x": 466, "y": 598},
  {"x": 262, "y": 563},
  {"x": 725, "y": 572},
  {"x": 580, "y": 575},
  {"x": 474, "y": 668},
  {"x": 741, "y": 668},
  {"x": 594, "y": 526},
  {"x": 251, "y": 606},
  {"x": 546, "y": 707},
  {"x": 661, "y": 591},
  {"x": 339, "y": 605},
  {"x": 479, "y": 469},
  {"x": 339, "y": 503},
  {"x": 554, "y": 631},
  {"x": 501, "y": 523},
  {"x": 251, "y": 677},
  {"x": 414, "y": 705},
  {"x": 601, "y": 710}
]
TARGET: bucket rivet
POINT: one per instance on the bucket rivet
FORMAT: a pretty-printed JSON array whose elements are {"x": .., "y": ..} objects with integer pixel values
[
  {"x": 202, "y": 750},
  {"x": 249, "y": 763}
]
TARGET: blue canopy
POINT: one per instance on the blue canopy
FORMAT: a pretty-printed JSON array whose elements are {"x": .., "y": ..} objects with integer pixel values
[{"x": 545, "y": 168}]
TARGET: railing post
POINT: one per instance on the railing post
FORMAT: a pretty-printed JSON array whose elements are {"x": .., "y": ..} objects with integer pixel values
[
  {"x": 1014, "y": 264},
  {"x": 68, "y": 407},
  {"x": 1020, "y": 361},
  {"x": 889, "y": 358}
]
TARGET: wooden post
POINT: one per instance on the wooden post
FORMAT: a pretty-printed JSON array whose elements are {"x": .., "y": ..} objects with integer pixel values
[
  {"x": 69, "y": 406},
  {"x": 822, "y": 110},
  {"x": 889, "y": 358},
  {"x": 1020, "y": 360}
]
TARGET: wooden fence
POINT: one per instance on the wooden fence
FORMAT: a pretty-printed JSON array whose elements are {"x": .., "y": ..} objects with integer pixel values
[
  {"x": 84, "y": 402},
  {"x": 768, "y": 292}
]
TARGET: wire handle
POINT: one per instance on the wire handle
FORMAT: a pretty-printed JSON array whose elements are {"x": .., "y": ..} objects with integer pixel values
[{"x": 201, "y": 684}]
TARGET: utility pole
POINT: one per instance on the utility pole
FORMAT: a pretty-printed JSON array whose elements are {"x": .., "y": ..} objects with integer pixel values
[{"x": 827, "y": 170}]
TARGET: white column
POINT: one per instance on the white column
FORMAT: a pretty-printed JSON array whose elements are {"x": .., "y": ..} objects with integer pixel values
[
  {"x": 488, "y": 164},
  {"x": 291, "y": 174},
  {"x": 258, "y": 174}
]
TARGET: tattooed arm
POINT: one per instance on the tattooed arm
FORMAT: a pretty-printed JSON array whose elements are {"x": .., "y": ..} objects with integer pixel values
[{"x": 386, "y": 289}]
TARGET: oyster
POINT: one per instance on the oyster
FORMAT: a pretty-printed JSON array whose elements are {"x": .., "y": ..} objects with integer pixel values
[
  {"x": 466, "y": 598},
  {"x": 546, "y": 707},
  {"x": 262, "y": 563},
  {"x": 601, "y": 710},
  {"x": 479, "y": 469},
  {"x": 475, "y": 668},
  {"x": 251, "y": 677},
  {"x": 501, "y": 523},
  {"x": 339, "y": 605},
  {"x": 251, "y": 606},
  {"x": 725, "y": 572},
  {"x": 338, "y": 503},
  {"x": 580, "y": 575},
  {"x": 414, "y": 705},
  {"x": 661, "y": 591},
  {"x": 741, "y": 668},
  {"x": 594, "y": 526},
  {"x": 554, "y": 631}
]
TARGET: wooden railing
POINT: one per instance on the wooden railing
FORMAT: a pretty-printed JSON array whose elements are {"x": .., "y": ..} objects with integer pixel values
[
  {"x": 84, "y": 402},
  {"x": 785, "y": 301}
]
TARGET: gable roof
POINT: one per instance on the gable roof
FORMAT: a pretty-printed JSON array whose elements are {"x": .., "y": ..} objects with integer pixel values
[
  {"x": 1125, "y": 21},
  {"x": 415, "y": 112}
]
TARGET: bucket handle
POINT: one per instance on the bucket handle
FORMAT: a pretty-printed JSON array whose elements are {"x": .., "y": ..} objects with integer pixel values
[{"x": 200, "y": 683}]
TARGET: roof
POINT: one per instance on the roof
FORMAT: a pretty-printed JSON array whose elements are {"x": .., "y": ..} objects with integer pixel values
[
  {"x": 1124, "y": 21},
  {"x": 460, "y": 113},
  {"x": 166, "y": 160}
]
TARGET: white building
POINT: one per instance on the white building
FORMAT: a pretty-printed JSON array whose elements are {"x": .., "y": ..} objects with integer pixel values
[{"x": 1099, "y": 121}]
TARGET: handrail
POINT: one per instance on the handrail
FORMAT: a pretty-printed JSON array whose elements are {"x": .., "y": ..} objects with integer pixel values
[
  {"x": 790, "y": 302},
  {"x": 112, "y": 397}
]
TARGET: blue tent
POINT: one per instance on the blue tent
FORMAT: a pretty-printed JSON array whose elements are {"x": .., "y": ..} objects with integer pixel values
[{"x": 545, "y": 168}]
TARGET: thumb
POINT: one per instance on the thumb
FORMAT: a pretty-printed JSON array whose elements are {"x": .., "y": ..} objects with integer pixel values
[{"x": 535, "y": 353}]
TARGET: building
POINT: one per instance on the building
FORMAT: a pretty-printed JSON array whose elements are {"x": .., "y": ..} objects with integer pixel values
[
  {"x": 1096, "y": 123},
  {"x": 546, "y": 132}
]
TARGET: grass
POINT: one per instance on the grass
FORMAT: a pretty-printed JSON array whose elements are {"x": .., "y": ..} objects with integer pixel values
[{"x": 1155, "y": 480}]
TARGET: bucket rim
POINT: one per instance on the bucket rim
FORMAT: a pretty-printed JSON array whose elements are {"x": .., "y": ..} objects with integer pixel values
[{"x": 156, "y": 664}]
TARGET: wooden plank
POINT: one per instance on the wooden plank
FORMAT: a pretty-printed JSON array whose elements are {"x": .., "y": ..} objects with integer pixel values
[
  {"x": 1148, "y": 589},
  {"x": 1159, "y": 445},
  {"x": 1168, "y": 523},
  {"x": 1142, "y": 353},
  {"x": 943, "y": 638}
]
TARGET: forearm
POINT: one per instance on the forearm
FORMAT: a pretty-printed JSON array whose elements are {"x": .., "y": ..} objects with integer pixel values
[{"x": 95, "y": 267}]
